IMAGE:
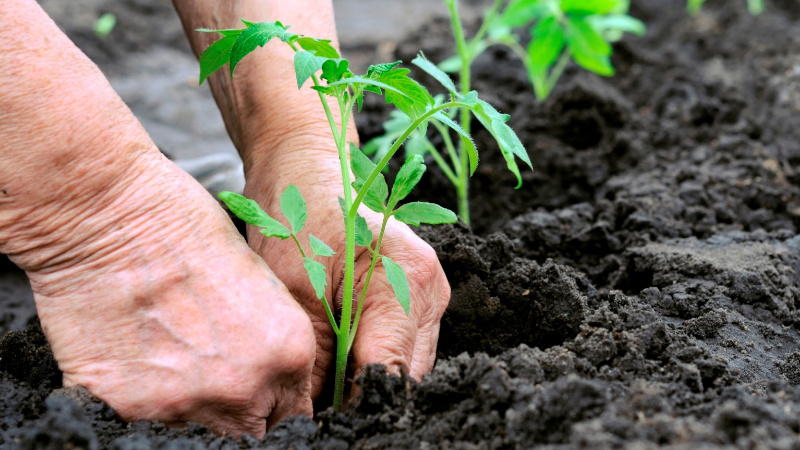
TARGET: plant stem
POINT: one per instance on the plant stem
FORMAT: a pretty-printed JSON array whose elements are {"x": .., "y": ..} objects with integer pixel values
[
  {"x": 393, "y": 149},
  {"x": 349, "y": 261},
  {"x": 448, "y": 143},
  {"x": 375, "y": 255},
  {"x": 448, "y": 172},
  {"x": 465, "y": 54}
]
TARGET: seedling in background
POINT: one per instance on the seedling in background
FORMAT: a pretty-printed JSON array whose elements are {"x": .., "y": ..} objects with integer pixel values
[
  {"x": 755, "y": 7},
  {"x": 560, "y": 31},
  {"x": 317, "y": 60}
]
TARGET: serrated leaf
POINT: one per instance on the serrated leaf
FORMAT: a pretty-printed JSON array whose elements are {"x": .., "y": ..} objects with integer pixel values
[
  {"x": 320, "y": 248},
  {"x": 546, "y": 46},
  {"x": 217, "y": 55},
  {"x": 431, "y": 69},
  {"x": 466, "y": 139},
  {"x": 363, "y": 233},
  {"x": 416, "y": 213},
  {"x": 317, "y": 276},
  {"x": 399, "y": 282},
  {"x": 333, "y": 70},
  {"x": 255, "y": 35},
  {"x": 376, "y": 70},
  {"x": 472, "y": 154},
  {"x": 319, "y": 47},
  {"x": 588, "y": 6},
  {"x": 305, "y": 65},
  {"x": 294, "y": 208},
  {"x": 355, "y": 80},
  {"x": 408, "y": 177},
  {"x": 249, "y": 211},
  {"x": 588, "y": 48},
  {"x": 413, "y": 99},
  {"x": 507, "y": 140},
  {"x": 362, "y": 167}
]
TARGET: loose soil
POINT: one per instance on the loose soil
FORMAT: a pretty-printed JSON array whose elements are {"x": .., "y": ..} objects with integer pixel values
[{"x": 641, "y": 289}]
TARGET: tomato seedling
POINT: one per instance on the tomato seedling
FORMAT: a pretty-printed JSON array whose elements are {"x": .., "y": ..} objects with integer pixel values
[
  {"x": 319, "y": 61},
  {"x": 561, "y": 31}
]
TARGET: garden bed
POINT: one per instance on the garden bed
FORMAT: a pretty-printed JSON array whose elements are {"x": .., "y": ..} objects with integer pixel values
[{"x": 640, "y": 289}]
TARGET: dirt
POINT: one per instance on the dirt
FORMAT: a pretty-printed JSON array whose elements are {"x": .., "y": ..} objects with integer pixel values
[{"x": 640, "y": 290}]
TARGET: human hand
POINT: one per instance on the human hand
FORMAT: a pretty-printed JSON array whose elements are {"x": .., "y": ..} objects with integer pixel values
[
  {"x": 386, "y": 335},
  {"x": 169, "y": 318}
]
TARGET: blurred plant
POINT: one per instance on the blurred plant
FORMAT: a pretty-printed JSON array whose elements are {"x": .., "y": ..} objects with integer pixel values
[
  {"x": 755, "y": 7},
  {"x": 104, "y": 25}
]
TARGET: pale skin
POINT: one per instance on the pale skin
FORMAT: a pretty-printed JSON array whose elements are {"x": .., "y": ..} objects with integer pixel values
[{"x": 147, "y": 294}]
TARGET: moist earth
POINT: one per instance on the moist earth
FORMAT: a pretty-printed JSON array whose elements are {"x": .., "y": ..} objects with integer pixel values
[{"x": 639, "y": 290}]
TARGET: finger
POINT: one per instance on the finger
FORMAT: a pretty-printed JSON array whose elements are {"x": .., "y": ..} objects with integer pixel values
[
  {"x": 424, "y": 355},
  {"x": 385, "y": 334}
]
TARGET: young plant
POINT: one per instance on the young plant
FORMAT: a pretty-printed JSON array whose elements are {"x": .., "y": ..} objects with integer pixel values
[
  {"x": 317, "y": 60},
  {"x": 561, "y": 31},
  {"x": 755, "y": 7}
]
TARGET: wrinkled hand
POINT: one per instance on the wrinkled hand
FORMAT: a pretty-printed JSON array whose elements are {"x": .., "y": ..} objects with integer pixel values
[
  {"x": 171, "y": 318},
  {"x": 386, "y": 335}
]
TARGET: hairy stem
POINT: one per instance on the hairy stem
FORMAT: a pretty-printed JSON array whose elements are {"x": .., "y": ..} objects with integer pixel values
[
  {"x": 375, "y": 255},
  {"x": 466, "y": 116}
]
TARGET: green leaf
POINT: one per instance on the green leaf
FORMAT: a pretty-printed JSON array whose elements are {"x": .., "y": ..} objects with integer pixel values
[
  {"x": 399, "y": 282},
  {"x": 416, "y": 213},
  {"x": 588, "y": 6},
  {"x": 316, "y": 274},
  {"x": 320, "y": 248},
  {"x": 104, "y": 25},
  {"x": 376, "y": 70},
  {"x": 694, "y": 6},
  {"x": 617, "y": 22},
  {"x": 362, "y": 166},
  {"x": 413, "y": 99},
  {"x": 522, "y": 12},
  {"x": 231, "y": 32},
  {"x": 546, "y": 46},
  {"x": 755, "y": 7},
  {"x": 255, "y": 35},
  {"x": 319, "y": 47},
  {"x": 357, "y": 80},
  {"x": 333, "y": 71},
  {"x": 363, "y": 233},
  {"x": 249, "y": 211},
  {"x": 294, "y": 208},
  {"x": 588, "y": 48},
  {"x": 509, "y": 143},
  {"x": 217, "y": 55},
  {"x": 472, "y": 152},
  {"x": 431, "y": 69},
  {"x": 305, "y": 65},
  {"x": 408, "y": 177}
]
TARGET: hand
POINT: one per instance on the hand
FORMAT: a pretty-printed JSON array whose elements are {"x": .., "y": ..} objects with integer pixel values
[{"x": 385, "y": 334}]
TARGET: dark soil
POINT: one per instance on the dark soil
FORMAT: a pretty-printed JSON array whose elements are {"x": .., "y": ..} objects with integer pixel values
[{"x": 641, "y": 289}]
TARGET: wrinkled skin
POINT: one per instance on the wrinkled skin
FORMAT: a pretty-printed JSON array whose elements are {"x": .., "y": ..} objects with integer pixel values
[{"x": 147, "y": 294}]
